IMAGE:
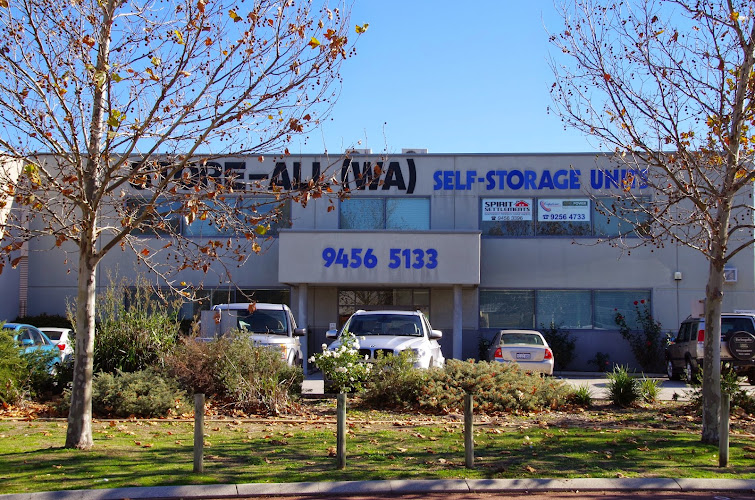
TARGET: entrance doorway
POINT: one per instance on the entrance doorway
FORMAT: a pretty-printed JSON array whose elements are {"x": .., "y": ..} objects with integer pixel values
[{"x": 403, "y": 299}]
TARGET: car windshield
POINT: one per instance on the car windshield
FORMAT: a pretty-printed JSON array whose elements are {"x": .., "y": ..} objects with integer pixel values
[
  {"x": 385, "y": 324},
  {"x": 262, "y": 321},
  {"x": 521, "y": 338}
]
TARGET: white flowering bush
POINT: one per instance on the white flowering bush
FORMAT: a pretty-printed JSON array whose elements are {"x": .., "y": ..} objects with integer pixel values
[{"x": 343, "y": 369}]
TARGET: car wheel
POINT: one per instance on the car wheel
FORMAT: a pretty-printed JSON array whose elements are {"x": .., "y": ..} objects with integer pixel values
[
  {"x": 689, "y": 372},
  {"x": 672, "y": 375}
]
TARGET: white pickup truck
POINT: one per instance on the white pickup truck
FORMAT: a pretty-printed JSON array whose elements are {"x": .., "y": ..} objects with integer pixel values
[{"x": 270, "y": 325}]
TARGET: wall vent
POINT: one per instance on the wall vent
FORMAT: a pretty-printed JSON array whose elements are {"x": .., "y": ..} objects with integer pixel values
[{"x": 730, "y": 275}]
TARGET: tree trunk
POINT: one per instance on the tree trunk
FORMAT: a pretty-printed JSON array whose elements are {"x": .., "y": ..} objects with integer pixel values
[
  {"x": 79, "y": 433},
  {"x": 711, "y": 384}
]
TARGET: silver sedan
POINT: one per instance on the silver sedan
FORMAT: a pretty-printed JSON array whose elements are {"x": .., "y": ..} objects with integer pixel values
[{"x": 527, "y": 348}]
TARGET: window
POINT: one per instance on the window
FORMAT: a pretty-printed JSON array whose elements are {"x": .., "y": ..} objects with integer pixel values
[
  {"x": 526, "y": 217},
  {"x": 362, "y": 213},
  {"x": 162, "y": 218},
  {"x": 575, "y": 309},
  {"x": 408, "y": 299},
  {"x": 564, "y": 308},
  {"x": 615, "y": 217},
  {"x": 262, "y": 215},
  {"x": 507, "y": 217},
  {"x": 563, "y": 217},
  {"x": 204, "y": 299},
  {"x": 401, "y": 214},
  {"x": 507, "y": 309},
  {"x": 239, "y": 215},
  {"x": 609, "y": 303}
]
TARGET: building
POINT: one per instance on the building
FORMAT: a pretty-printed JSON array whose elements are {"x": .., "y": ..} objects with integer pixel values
[{"x": 479, "y": 242}]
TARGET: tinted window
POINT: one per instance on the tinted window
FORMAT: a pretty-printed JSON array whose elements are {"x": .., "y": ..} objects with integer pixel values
[
  {"x": 731, "y": 325},
  {"x": 53, "y": 335},
  {"x": 263, "y": 321},
  {"x": 25, "y": 334},
  {"x": 564, "y": 308},
  {"x": 521, "y": 338},
  {"x": 385, "y": 324},
  {"x": 402, "y": 214},
  {"x": 684, "y": 332}
]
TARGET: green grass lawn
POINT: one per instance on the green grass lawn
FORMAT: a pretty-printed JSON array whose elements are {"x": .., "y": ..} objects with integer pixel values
[{"x": 379, "y": 446}]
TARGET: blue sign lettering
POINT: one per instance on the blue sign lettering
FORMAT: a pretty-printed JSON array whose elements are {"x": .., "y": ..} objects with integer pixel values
[
  {"x": 515, "y": 179},
  {"x": 406, "y": 258}
]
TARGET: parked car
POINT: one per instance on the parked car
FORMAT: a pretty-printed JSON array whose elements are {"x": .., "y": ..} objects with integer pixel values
[
  {"x": 270, "y": 325},
  {"x": 684, "y": 355},
  {"x": 63, "y": 338},
  {"x": 391, "y": 332},
  {"x": 30, "y": 339},
  {"x": 527, "y": 348}
]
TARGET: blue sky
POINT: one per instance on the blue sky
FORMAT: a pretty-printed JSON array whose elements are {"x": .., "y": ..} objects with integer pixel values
[{"x": 449, "y": 77}]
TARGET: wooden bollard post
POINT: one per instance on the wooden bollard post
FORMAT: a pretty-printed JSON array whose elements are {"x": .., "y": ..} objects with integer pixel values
[
  {"x": 723, "y": 431},
  {"x": 468, "y": 431},
  {"x": 199, "y": 433},
  {"x": 341, "y": 430}
]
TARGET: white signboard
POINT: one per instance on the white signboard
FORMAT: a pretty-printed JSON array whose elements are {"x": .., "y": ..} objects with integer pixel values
[
  {"x": 506, "y": 209},
  {"x": 563, "y": 210}
]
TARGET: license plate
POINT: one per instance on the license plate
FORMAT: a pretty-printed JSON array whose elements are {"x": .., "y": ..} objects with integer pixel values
[{"x": 523, "y": 355}]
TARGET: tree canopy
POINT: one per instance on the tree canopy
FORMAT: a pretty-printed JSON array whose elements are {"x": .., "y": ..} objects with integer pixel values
[
  {"x": 103, "y": 98},
  {"x": 668, "y": 86}
]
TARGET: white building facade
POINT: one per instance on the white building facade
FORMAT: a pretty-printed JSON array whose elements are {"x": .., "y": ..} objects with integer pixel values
[{"x": 479, "y": 242}]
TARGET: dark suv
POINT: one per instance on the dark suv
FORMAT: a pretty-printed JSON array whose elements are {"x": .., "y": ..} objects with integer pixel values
[{"x": 684, "y": 355}]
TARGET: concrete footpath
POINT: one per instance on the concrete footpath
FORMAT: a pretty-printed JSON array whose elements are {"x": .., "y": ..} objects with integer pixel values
[{"x": 394, "y": 488}]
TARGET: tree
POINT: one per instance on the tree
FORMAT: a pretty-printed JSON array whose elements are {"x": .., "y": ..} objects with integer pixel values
[
  {"x": 129, "y": 95},
  {"x": 668, "y": 86}
]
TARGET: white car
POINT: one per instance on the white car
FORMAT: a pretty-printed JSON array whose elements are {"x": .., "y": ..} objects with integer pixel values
[
  {"x": 63, "y": 338},
  {"x": 527, "y": 348},
  {"x": 391, "y": 332},
  {"x": 270, "y": 325}
]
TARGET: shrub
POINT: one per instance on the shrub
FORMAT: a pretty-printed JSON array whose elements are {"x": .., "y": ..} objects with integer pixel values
[
  {"x": 562, "y": 343},
  {"x": 649, "y": 389},
  {"x": 12, "y": 369},
  {"x": 602, "y": 361},
  {"x": 343, "y": 369},
  {"x": 738, "y": 397},
  {"x": 394, "y": 382},
  {"x": 144, "y": 393},
  {"x": 44, "y": 319},
  {"x": 135, "y": 328},
  {"x": 647, "y": 342},
  {"x": 623, "y": 388},
  {"x": 483, "y": 345},
  {"x": 582, "y": 396},
  {"x": 496, "y": 387},
  {"x": 37, "y": 377},
  {"x": 233, "y": 371}
]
